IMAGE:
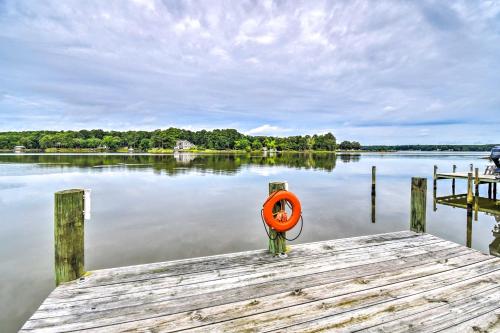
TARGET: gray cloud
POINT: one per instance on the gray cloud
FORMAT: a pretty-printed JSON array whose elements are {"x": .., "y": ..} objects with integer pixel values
[{"x": 378, "y": 72}]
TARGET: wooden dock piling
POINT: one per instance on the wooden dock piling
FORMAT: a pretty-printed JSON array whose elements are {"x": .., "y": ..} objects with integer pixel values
[
  {"x": 470, "y": 198},
  {"x": 374, "y": 171},
  {"x": 69, "y": 235},
  {"x": 476, "y": 193},
  {"x": 476, "y": 182},
  {"x": 418, "y": 204},
  {"x": 277, "y": 240}
]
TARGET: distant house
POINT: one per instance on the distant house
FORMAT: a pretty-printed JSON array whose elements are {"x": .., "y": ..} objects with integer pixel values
[
  {"x": 183, "y": 144},
  {"x": 19, "y": 149}
]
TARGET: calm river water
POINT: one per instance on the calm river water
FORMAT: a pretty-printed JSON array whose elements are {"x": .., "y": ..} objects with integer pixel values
[{"x": 154, "y": 208}]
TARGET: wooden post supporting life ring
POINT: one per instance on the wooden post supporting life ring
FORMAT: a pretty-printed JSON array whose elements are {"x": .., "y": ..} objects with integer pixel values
[{"x": 277, "y": 241}]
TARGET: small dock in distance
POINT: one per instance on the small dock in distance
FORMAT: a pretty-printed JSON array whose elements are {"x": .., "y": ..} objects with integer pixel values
[
  {"x": 395, "y": 282},
  {"x": 483, "y": 179}
]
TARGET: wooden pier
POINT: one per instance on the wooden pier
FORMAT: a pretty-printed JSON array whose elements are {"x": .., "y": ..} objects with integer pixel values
[
  {"x": 395, "y": 282},
  {"x": 483, "y": 179}
]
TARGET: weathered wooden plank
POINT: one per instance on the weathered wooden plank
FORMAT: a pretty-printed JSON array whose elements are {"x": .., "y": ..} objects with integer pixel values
[
  {"x": 373, "y": 283},
  {"x": 227, "y": 278},
  {"x": 210, "y": 263},
  {"x": 449, "y": 315},
  {"x": 256, "y": 307},
  {"x": 464, "y": 175},
  {"x": 485, "y": 288},
  {"x": 65, "y": 291},
  {"x": 488, "y": 322},
  {"x": 148, "y": 306},
  {"x": 353, "y": 300}
]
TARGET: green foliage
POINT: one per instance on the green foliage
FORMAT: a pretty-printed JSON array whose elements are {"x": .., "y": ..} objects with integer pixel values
[
  {"x": 345, "y": 145},
  {"x": 242, "y": 144},
  {"x": 486, "y": 147},
  {"x": 219, "y": 139},
  {"x": 350, "y": 145}
]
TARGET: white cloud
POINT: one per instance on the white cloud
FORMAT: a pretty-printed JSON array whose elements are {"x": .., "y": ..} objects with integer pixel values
[
  {"x": 187, "y": 24},
  {"x": 268, "y": 130},
  {"x": 148, "y": 4},
  {"x": 220, "y": 53}
]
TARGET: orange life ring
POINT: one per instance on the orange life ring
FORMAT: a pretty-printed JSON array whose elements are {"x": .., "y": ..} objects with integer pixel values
[{"x": 279, "y": 221}]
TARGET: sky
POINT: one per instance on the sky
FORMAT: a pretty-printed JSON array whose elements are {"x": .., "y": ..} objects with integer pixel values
[{"x": 379, "y": 72}]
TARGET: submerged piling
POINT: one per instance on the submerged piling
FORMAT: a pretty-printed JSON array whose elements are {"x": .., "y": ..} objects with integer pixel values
[
  {"x": 418, "y": 204},
  {"x": 374, "y": 171},
  {"x": 69, "y": 235}
]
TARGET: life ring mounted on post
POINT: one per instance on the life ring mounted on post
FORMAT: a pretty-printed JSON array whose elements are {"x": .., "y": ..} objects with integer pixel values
[{"x": 280, "y": 221}]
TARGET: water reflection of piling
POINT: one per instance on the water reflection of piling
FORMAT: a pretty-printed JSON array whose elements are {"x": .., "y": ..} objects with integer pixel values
[
  {"x": 476, "y": 194},
  {"x": 374, "y": 170},
  {"x": 418, "y": 204},
  {"x": 453, "y": 180},
  {"x": 495, "y": 245},
  {"x": 470, "y": 202},
  {"x": 469, "y": 226},
  {"x": 434, "y": 189}
]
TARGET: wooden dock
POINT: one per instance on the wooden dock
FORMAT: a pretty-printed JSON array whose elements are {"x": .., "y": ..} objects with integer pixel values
[
  {"x": 393, "y": 282},
  {"x": 483, "y": 179}
]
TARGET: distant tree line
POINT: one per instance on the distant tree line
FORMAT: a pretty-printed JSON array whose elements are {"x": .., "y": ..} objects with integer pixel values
[
  {"x": 350, "y": 145},
  {"x": 219, "y": 139},
  {"x": 430, "y": 148}
]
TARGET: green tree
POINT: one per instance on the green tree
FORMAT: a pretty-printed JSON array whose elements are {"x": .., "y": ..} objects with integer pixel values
[
  {"x": 93, "y": 142},
  {"x": 242, "y": 144},
  {"x": 112, "y": 142},
  {"x": 145, "y": 144},
  {"x": 345, "y": 145},
  {"x": 256, "y": 144},
  {"x": 355, "y": 145}
]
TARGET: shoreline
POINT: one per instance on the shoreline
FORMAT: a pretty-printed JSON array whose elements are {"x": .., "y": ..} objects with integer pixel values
[{"x": 225, "y": 152}]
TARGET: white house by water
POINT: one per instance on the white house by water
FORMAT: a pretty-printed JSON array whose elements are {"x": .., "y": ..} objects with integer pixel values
[{"x": 183, "y": 144}]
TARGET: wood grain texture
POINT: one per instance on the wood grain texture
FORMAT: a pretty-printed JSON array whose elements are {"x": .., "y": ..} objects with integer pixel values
[
  {"x": 68, "y": 235},
  {"x": 418, "y": 204},
  {"x": 382, "y": 283}
]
